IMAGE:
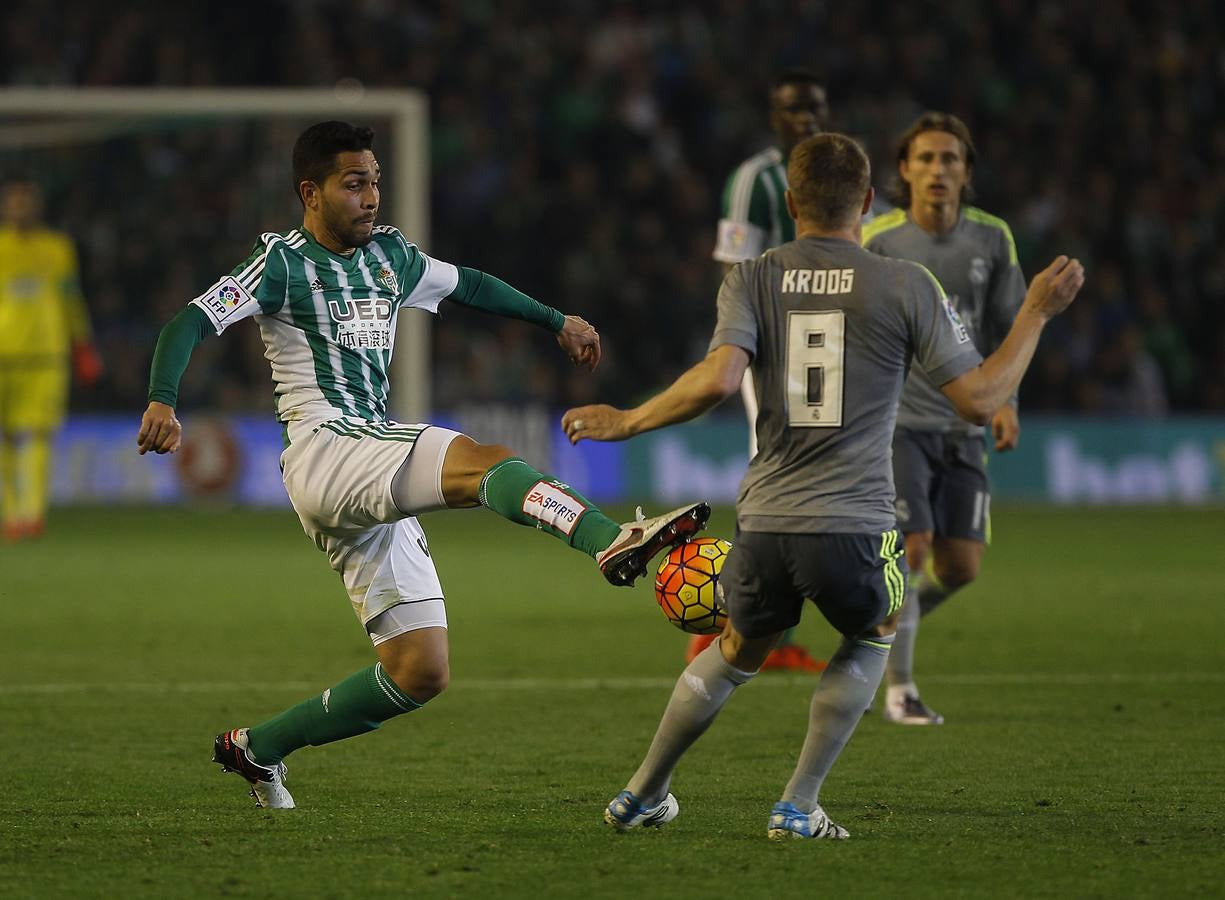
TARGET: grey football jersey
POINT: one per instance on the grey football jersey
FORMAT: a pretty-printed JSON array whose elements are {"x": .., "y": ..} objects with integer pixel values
[
  {"x": 976, "y": 262},
  {"x": 832, "y": 329}
]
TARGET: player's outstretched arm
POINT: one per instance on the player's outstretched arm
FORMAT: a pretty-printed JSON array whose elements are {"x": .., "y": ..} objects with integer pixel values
[
  {"x": 979, "y": 393},
  {"x": 487, "y": 293},
  {"x": 699, "y": 389},
  {"x": 160, "y": 430}
]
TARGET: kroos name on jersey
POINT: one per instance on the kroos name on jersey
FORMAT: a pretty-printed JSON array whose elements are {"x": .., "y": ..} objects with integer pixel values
[{"x": 818, "y": 281}]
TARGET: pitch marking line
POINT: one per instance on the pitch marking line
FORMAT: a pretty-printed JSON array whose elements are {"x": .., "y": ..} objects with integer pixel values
[{"x": 1019, "y": 679}]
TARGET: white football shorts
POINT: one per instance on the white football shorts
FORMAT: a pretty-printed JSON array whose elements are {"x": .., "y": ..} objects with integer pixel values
[{"x": 339, "y": 478}]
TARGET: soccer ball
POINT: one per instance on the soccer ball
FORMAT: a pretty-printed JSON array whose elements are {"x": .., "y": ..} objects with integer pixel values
[{"x": 687, "y": 585}]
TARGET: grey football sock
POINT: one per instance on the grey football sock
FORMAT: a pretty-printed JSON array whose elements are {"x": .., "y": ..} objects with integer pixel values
[
  {"x": 845, "y": 690},
  {"x": 699, "y": 694},
  {"x": 900, "y": 668}
]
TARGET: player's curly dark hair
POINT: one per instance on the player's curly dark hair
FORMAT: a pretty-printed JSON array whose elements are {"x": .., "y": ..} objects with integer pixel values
[
  {"x": 315, "y": 150},
  {"x": 829, "y": 176},
  {"x": 932, "y": 121}
]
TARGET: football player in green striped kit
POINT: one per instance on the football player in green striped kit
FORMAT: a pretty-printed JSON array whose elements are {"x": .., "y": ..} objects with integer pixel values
[
  {"x": 754, "y": 219},
  {"x": 939, "y": 460},
  {"x": 326, "y": 297}
]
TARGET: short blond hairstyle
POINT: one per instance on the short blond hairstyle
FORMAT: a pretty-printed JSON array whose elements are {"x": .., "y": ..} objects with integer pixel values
[{"x": 829, "y": 176}]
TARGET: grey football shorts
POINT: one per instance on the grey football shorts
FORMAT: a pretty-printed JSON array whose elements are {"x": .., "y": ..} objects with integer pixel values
[
  {"x": 941, "y": 483},
  {"x": 855, "y": 580}
]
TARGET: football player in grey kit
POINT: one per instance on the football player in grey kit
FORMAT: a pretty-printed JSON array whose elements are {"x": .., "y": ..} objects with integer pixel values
[
  {"x": 939, "y": 459},
  {"x": 830, "y": 330}
]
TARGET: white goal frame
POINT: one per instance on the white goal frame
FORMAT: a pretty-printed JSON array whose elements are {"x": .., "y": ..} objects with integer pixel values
[{"x": 407, "y": 109}]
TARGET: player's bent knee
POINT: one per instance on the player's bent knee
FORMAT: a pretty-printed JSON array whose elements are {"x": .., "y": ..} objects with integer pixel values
[
  {"x": 465, "y": 465},
  {"x": 957, "y": 575},
  {"x": 422, "y": 681},
  {"x": 417, "y": 661}
]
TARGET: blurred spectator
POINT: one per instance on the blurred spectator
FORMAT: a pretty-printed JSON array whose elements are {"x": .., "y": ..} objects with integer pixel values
[{"x": 578, "y": 150}]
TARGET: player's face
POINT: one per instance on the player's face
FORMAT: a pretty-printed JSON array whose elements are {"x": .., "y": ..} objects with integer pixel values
[
  {"x": 22, "y": 204},
  {"x": 798, "y": 111},
  {"x": 349, "y": 198},
  {"x": 935, "y": 168}
]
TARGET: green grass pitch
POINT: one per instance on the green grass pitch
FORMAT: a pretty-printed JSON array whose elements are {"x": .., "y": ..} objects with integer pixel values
[{"x": 1082, "y": 679}]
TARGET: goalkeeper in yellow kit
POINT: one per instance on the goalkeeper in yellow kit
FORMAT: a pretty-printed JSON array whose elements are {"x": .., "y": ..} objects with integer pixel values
[{"x": 44, "y": 328}]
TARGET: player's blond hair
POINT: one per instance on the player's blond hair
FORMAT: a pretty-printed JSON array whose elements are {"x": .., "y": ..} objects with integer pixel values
[{"x": 829, "y": 176}]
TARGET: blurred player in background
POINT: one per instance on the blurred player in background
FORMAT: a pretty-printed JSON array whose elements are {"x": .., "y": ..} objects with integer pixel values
[
  {"x": 326, "y": 297},
  {"x": 830, "y": 330},
  {"x": 754, "y": 218},
  {"x": 44, "y": 332},
  {"x": 939, "y": 459}
]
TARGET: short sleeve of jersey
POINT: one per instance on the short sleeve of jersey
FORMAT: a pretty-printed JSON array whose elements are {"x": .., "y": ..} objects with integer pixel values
[
  {"x": 256, "y": 286},
  {"x": 424, "y": 281},
  {"x": 736, "y": 323},
  {"x": 942, "y": 346},
  {"x": 745, "y": 218}
]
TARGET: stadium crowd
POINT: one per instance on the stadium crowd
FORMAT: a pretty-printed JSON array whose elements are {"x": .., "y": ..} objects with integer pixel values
[{"x": 578, "y": 151}]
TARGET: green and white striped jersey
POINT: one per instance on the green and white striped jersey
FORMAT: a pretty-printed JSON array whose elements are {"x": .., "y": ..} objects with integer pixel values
[
  {"x": 754, "y": 215},
  {"x": 328, "y": 321}
]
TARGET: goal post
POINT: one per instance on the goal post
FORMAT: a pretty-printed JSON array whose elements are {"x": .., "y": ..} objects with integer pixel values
[{"x": 47, "y": 115}]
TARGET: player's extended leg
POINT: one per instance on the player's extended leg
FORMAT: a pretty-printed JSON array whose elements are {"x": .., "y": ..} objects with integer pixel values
[
  {"x": 490, "y": 475},
  {"x": 701, "y": 691},
  {"x": 412, "y": 669}
]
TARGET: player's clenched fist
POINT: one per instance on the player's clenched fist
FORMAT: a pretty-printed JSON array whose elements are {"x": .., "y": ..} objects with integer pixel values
[
  {"x": 580, "y": 341},
  {"x": 160, "y": 430},
  {"x": 1054, "y": 288}
]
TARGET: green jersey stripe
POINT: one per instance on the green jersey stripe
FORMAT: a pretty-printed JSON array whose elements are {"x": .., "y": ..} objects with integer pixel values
[
  {"x": 385, "y": 355},
  {"x": 381, "y": 384},
  {"x": 775, "y": 181},
  {"x": 323, "y": 350},
  {"x": 353, "y": 368},
  {"x": 378, "y": 431}
]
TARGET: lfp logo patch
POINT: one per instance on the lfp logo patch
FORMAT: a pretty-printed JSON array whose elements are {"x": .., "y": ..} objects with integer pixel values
[
  {"x": 229, "y": 296},
  {"x": 226, "y": 301}
]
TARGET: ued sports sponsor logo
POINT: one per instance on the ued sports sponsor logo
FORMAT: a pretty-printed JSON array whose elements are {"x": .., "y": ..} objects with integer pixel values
[{"x": 553, "y": 507}]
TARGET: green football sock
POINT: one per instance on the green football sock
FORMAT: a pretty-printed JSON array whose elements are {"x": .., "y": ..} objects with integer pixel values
[
  {"x": 360, "y": 703},
  {"x": 516, "y": 491}
]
